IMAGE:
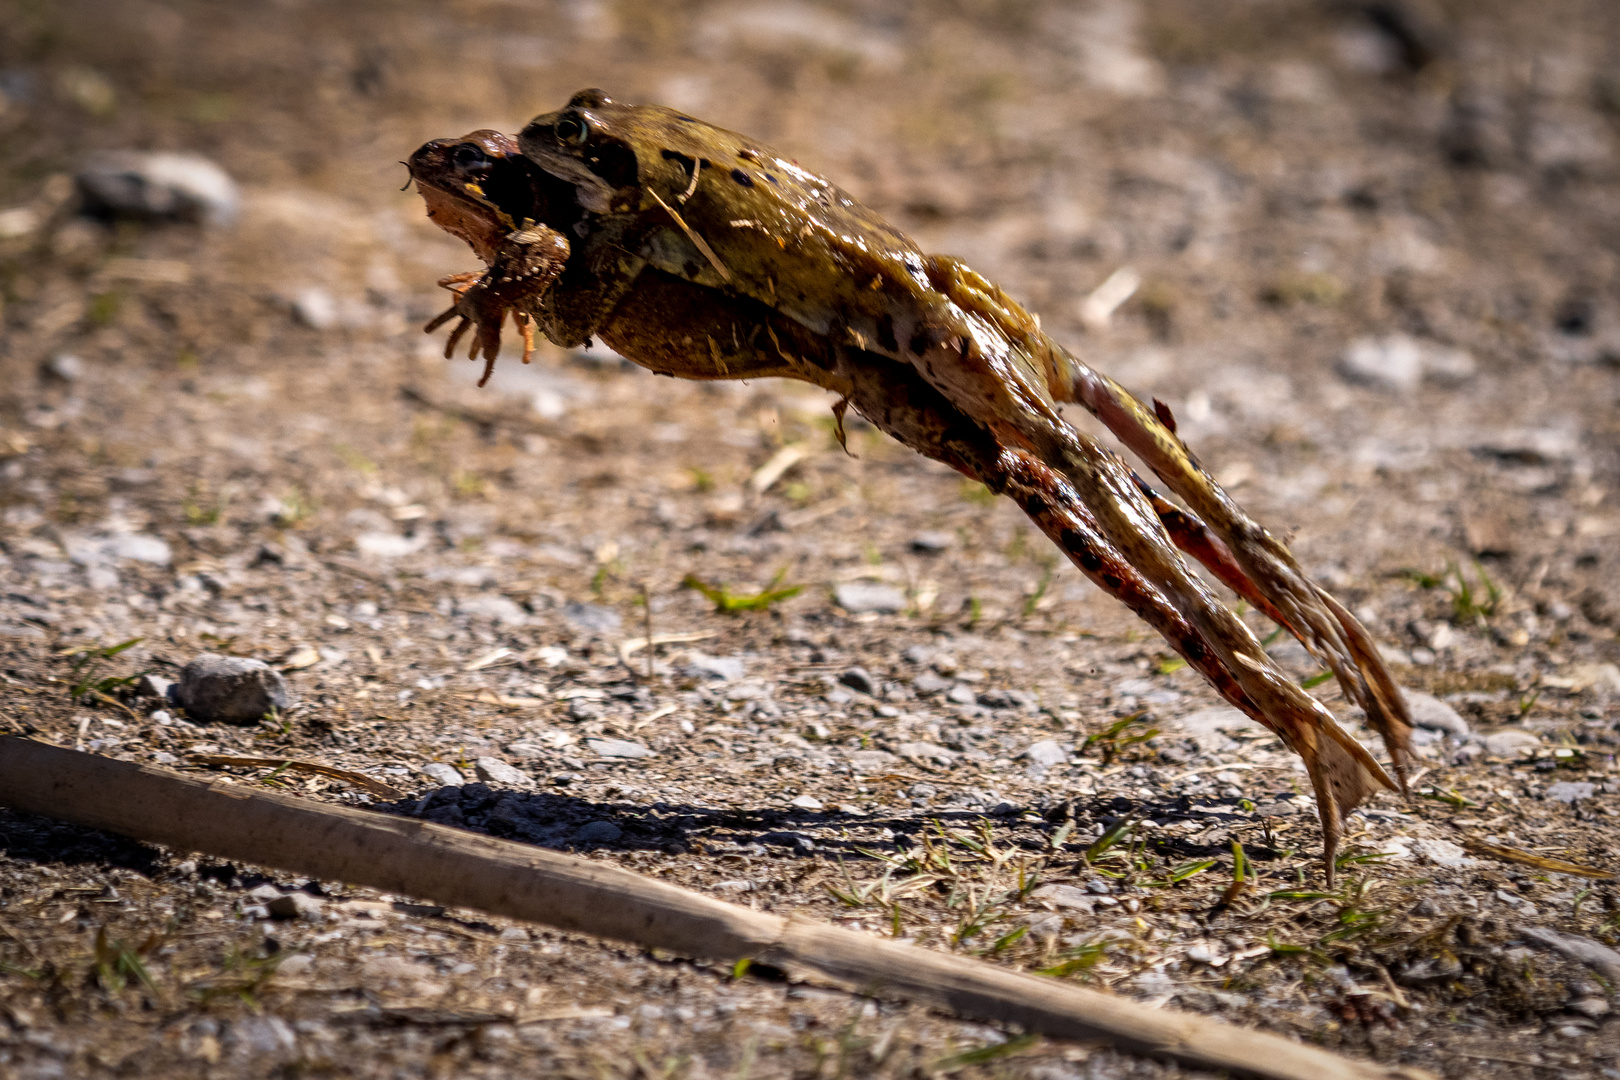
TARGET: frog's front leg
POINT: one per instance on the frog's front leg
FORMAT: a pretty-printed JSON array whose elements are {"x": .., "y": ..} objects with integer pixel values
[{"x": 519, "y": 275}]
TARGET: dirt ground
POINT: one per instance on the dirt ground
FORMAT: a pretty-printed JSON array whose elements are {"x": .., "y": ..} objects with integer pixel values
[{"x": 1379, "y": 285}]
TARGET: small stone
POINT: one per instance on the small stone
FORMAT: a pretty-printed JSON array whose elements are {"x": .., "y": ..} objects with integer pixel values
[
  {"x": 872, "y": 761},
  {"x": 931, "y": 543},
  {"x": 929, "y": 683},
  {"x": 619, "y": 748},
  {"x": 442, "y": 773},
  {"x": 295, "y": 905},
  {"x": 1065, "y": 896},
  {"x": 157, "y": 186},
  {"x": 1442, "y": 853},
  {"x": 1568, "y": 791},
  {"x": 65, "y": 366},
  {"x": 1399, "y": 363},
  {"x": 857, "y": 597},
  {"x": 1202, "y": 954},
  {"x": 493, "y": 770},
  {"x": 231, "y": 689},
  {"x": 494, "y": 607},
  {"x": 924, "y": 753},
  {"x": 1208, "y": 727},
  {"x": 388, "y": 545},
  {"x": 1594, "y": 1008},
  {"x": 153, "y": 686},
  {"x": 598, "y": 832},
  {"x": 515, "y": 933},
  {"x": 1430, "y": 712},
  {"x": 962, "y": 694},
  {"x": 593, "y": 618},
  {"x": 1006, "y": 699},
  {"x": 580, "y": 709},
  {"x": 1508, "y": 744},
  {"x": 382, "y": 970},
  {"x": 716, "y": 667},
  {"x": 263, "y": 894},
  {"x": 1391, "y": 363},
  {"x": 858, "y": 678},
  {"x": 1047, "y": 752},
  {"x": 807, "y": 802},
  {"x": 315, "y": 307},
  {"x": 163, "y": 757}
]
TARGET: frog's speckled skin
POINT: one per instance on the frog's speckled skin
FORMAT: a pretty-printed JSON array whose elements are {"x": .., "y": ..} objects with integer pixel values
[{"x": 700, "y": 253}]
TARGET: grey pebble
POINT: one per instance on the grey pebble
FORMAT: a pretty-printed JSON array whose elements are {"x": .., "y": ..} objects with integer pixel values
[
  {"x": 1065, "y": 896},
  {"x": 857, "y": 597},
  {"x": 157, "y": 186},
  {"x": 1048, "y": 752},
  {"x": 858, "y": 678},
  {"x": 232, "y": 689},
  {"x": 495, "y": 607},
  {"x": 295, "y": 905},
  {"x": 65, "y": 366},
  {"x": 962, "y": 694},
  {"x": 1568, "y": 791},
  {"x": 442, "y": 773},
  {"x": 583, "y": 709},
  {"x": 924, "y": 753},
  {"x": 1511, "y": 743},
  {"x": 493, "y": 770},
  {"x": 716, "y": 667},
  {"x": 598, "y": 832},
  {"x": 592, "y": 617},
  {"x": 619, "y": 748},
  {"x": 931, "y": 543},
  {"x": 872, "y": 761},
  {"x": 1429, "y": 711},
  {"x": 929, "y": 683}
]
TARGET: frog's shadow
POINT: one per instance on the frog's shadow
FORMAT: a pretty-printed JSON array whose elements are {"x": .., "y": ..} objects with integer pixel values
[{"x": 570, "y": 823}]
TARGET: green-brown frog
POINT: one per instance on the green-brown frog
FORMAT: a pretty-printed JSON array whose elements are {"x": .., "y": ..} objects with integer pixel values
[{"x": 700, "y": 253}]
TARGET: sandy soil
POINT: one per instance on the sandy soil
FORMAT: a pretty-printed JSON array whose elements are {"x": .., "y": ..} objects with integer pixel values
[{"x": 1379, "y": 287}]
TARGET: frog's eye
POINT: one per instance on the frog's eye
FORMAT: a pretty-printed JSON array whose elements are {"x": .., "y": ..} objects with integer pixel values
[
  {"x": 572, "y": 129},
  {"x": 468, "y": 155}
]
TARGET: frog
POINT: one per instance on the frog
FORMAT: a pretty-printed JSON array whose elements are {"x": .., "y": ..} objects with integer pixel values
[{"x": 701, "y": 253}]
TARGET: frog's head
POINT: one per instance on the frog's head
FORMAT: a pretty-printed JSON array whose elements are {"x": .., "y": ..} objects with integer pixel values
[
  {"x": 480, "y": 188},
  {"x": 474, "y": 187},
  {"x": 591, "y": 142}
]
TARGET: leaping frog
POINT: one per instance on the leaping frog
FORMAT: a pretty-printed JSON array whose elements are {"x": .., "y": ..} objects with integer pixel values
[{"x": 700, "y": 253}]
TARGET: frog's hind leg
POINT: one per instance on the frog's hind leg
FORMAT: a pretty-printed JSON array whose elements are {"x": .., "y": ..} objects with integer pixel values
[
  {"x": 1245, "y": 556},
  {"x": 1120, "y": 554}
]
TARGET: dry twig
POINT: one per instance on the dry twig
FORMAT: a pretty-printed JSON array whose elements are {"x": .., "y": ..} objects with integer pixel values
[{"x": 452, "y": 867}]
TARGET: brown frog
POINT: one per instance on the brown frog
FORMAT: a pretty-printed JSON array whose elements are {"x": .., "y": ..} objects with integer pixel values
[{"x": 702, "y": 254}]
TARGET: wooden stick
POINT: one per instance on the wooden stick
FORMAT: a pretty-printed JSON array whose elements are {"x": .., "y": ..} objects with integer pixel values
[{"x": 453, "y": 867}]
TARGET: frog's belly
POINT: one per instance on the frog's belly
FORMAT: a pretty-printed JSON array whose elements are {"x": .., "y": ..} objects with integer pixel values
[{"x": 674, "y": 327}]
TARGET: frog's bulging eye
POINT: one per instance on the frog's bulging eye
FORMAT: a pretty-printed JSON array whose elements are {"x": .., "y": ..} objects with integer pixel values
[
  {"x": 572, "y": 129},
  {"x": 467, "y": 155}
]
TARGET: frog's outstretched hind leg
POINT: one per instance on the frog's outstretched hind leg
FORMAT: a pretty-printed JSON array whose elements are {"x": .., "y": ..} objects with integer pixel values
[
  {"x": 1248, "y": 558},
  {"x": 900, "y": 402},
  {"x": 1342, "y": 773}
]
